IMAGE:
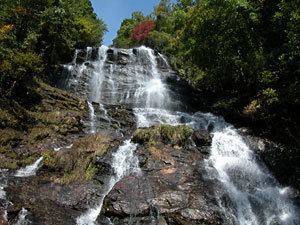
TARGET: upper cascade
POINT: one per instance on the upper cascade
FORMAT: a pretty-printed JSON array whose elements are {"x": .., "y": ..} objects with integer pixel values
[{"x": 135, "y": 77}]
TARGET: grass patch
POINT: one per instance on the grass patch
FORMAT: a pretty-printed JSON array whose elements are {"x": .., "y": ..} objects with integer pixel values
[{"x": 167, "y": 134}]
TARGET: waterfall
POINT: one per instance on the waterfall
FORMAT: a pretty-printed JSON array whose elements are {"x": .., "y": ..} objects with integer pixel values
[
  {"x": 30, "y": 170},
  {"x": 250, "y": 195}
]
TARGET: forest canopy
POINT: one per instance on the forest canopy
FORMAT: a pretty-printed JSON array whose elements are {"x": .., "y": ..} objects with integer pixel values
[{"x": 38, "y": 35}]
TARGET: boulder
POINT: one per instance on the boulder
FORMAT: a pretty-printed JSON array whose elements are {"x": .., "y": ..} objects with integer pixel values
[{"x": 201, "y": 138}]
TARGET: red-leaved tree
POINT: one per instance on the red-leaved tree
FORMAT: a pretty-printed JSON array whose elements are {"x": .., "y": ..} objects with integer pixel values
[{"x": 142, "y": 30}]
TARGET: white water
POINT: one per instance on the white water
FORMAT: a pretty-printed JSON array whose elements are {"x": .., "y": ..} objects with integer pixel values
[
  {"x": 3, "y": 184},
  {"x": 22, "y": 220},
  {"x": 30, "y": 170},
  {"x": 124, "y": 163},
  {"x": 92, "y": 117},
  {"x": 255, "y": 197}
]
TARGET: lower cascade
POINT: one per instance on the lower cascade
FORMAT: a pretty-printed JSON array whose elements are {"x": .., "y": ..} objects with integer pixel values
[{"x": 255, "y": 196}]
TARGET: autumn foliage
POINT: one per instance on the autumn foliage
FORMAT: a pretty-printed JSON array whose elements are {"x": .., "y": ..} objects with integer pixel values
[{"x": 142, "y": 30}]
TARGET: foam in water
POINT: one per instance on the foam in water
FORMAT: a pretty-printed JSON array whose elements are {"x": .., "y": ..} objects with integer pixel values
[
  {"x": 30, "y": 170},
  {"x": 124, "y": 163},
  {"x": 22, "y": 218}
]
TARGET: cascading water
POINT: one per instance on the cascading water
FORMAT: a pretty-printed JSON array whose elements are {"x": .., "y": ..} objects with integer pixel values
[
  {"x": 250, "y": 194},
  {"x": 124, "y": 162},
  {"x": 22, "y": 218},
  {"x": 30, "y": 170},
  {"x": 256, "y": 197}
]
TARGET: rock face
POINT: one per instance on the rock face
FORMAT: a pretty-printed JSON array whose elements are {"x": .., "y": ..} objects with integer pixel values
[
  {"x": 282, "y": 161},
  {"x": 69, "y": 182},
  {"x": 171, "y": 189}
]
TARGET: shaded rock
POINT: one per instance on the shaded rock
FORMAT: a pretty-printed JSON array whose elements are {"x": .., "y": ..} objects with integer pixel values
[
  {"x": 3, "y": 220},
  {"x": 94, "y": 54},
  {"x": 50, "y": 203},
  {"x": 110, "y": 55},
  {"x": 282, "y": 161},
  {"x": 201, "y": 138},
  {"x": 81, "y": 56}
]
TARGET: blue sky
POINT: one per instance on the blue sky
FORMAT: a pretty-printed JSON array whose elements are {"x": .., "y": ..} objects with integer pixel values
[{"x": 114, "y": 11}]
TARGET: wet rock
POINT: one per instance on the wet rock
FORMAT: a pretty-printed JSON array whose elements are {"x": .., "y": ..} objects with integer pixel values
[
  {"x": 123, "y": 58},
  {"x": 161, "y": 63},
  {"x": 95, "y": 54},
  {"x": 282, "y": 161},
  {"x": 110, "y": 55},
  {"x": 201, "y": 138},
  {"x": 135, "y": 51},
  {"x": 114, "y": 119},
  {"x": 81, "y": 56}
]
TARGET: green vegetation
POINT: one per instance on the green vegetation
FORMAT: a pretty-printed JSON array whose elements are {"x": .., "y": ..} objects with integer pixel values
[
  {"x": 58, "y": 115},
  {"x": 37, "y": 36},
  {"x": 78, "y": 163},
  {"x": 167, "y": 134},
  {"x": 242, "y": 55}
]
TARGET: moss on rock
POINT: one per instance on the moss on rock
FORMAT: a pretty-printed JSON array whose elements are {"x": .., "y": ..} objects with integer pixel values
[
  {"x": 54, "y": 115},
  {"x": 7, "y": 119},
  {"x": 10, "y": 136},
  {"x": 9, "y": 159},
  {"x": 77, "y": 163},
  {"x": 167, "y": 134}
]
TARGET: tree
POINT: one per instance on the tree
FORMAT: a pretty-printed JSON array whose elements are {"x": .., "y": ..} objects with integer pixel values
[{"x": 142, "y": 30}]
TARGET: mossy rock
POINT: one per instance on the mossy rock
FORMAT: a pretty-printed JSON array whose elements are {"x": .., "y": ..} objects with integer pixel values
[
  {"x": 7, "y": 119},
  {"x": 167, "y": 134},
  {"x": 10, "y": 136},
  {"x": 78, "y": 163},
  {"x": 9, "y": 159},
  {"x": 39, "y": 133}
]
